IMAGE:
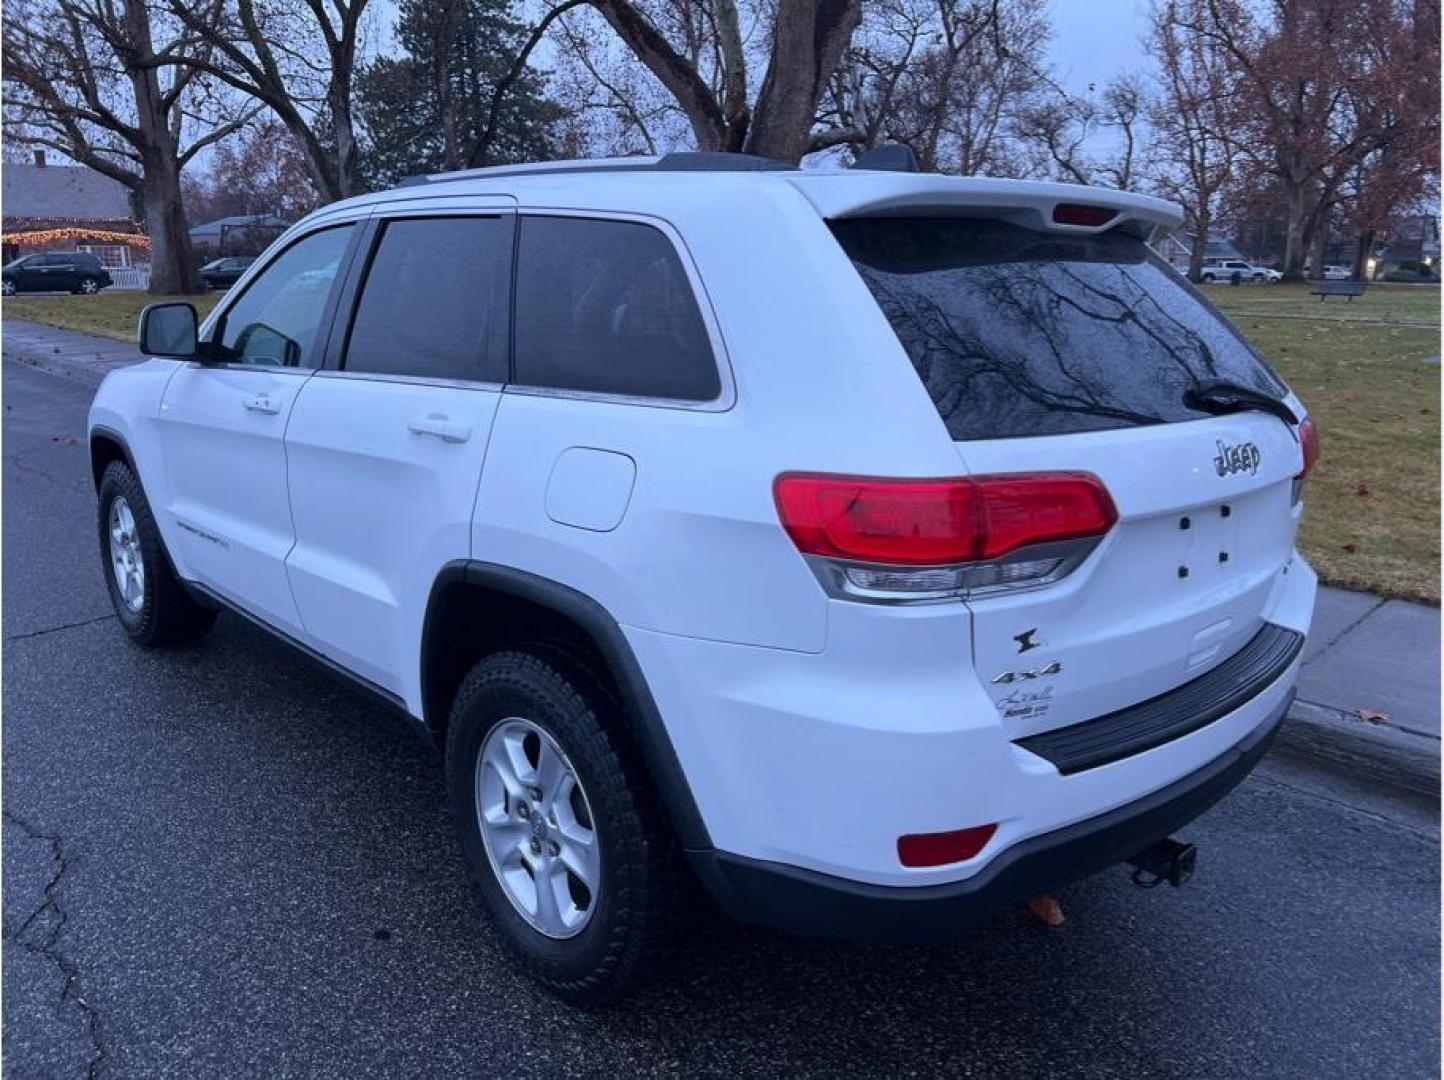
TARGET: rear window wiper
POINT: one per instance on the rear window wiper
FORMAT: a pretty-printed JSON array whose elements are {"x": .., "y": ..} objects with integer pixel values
[{"x": 1220, "y": 396}]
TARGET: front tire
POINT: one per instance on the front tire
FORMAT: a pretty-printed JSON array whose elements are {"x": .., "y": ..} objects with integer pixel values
[
  {"x": 7, "y": 288},
  {"x": 152, "y": 605},
  {"x": 562, "y": 836}
]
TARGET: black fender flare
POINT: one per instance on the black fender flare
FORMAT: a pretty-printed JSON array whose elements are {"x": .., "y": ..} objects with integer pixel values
[{"x": 648, "y": 729}]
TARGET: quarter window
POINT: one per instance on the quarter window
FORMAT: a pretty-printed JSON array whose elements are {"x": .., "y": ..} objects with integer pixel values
[
  {"x": 435, "y": 301},
  {"x": 278, "y": 319},
  {"x": 605, "y": 307}
]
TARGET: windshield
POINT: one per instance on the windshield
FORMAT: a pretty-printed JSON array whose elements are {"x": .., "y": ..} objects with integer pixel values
[{"x": 1018, "y": 333}]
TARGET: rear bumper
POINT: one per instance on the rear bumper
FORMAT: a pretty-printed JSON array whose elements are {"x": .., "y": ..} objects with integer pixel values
[{"x": 809, "y": 902}]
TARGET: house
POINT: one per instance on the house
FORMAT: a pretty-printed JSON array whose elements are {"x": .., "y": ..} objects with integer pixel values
[
  {"x": 239, "y": 234},
  {"x": 68, "y": 208},
  {"x": 1177, "y": 246},
  {"x": 1411, "y": 243}
]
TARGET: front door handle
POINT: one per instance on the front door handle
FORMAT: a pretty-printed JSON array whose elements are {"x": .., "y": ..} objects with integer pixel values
[
  {"x": 442, "y": 427},
  {"x": 263, "y": 403}
]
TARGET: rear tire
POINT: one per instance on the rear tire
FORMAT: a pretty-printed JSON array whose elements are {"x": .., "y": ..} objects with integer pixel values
[
  {"x": 152, "y": 605},
  {"x": 521, "y": 720},
  {"x": 88, "y": 286}
]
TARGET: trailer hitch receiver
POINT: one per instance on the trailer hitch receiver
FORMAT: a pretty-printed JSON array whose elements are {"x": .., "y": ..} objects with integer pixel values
[{"x": 1170, "y": 861}]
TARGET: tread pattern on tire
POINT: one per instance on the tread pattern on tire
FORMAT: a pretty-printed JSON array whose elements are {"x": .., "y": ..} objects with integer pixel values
[
  {"x": 169, "y": 615},
  {"x": 640, "y": 863}
]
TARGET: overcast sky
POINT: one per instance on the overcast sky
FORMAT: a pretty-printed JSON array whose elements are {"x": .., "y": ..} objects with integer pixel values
[{"x": 1093, "y": 40}]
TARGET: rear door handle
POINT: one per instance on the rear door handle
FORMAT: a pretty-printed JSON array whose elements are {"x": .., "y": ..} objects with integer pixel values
[
  {"x": 263, "y": 403},
  {"x": 442, "y": 427}
]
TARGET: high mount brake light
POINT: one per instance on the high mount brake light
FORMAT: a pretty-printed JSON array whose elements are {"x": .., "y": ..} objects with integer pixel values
[
  {"x": 887, "y": 539},
  {"x": 1082, "y": 214}
]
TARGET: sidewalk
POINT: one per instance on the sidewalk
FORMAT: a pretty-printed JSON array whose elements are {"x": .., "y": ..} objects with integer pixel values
[{"x": 1368, "y": 694}]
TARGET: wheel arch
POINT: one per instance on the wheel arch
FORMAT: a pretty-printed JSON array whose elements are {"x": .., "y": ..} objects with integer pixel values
[
  {"x": 476, "y": 607},
  {"x": 108, "y": 445}
]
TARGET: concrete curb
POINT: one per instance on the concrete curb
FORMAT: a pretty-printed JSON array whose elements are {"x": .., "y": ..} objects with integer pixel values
[{"x": 1372, "y": 753}]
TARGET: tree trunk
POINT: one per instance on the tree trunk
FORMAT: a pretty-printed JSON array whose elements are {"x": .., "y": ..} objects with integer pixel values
[
  {"x": 172, "y": 263},
  {"x": 1294, "y": 234},
  {"x": 808, "y": 40},
  {"x": 1321, "y": 243},
  {"x": 1200, "y": 246},
  {"x": 1364, "y": 249}
]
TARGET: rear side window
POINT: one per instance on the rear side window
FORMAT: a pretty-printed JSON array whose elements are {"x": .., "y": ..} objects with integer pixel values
[
  {"x": 605, "y": 307},
  {"x": 434, "y": 303},
  {"x": 1016, "y": 332}
]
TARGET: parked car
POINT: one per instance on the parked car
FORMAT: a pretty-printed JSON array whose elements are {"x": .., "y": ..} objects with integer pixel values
[
  {"x": 1226, "y": 269},
  {"x": 223, "y": 273},
  {"x": 55, "y": 271},
  {"x": 880, "y": 549},
  {"x": 1337, "y": 273}
]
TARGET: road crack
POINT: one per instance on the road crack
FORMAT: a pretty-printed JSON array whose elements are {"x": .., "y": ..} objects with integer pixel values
[
  {"x": 63, "y": 626},
  {"x": 48, "y": 945}
]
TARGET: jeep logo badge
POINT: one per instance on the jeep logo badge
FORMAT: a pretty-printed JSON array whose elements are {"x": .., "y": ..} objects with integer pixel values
[{"x": 1244, "y": 457}]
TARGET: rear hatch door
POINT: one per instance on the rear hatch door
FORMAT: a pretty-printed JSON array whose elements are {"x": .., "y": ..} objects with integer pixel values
[{"x": 1054, "y": 352}]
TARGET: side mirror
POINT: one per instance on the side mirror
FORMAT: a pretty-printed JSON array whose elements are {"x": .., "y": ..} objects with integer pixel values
[{"x": 168, "y": 330}]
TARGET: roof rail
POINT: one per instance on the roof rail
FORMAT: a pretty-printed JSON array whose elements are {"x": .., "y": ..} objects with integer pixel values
[{"x": 678, "y": 161}]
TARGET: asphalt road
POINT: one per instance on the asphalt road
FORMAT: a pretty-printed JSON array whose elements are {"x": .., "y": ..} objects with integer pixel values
[{"x": 217, "y": 862}]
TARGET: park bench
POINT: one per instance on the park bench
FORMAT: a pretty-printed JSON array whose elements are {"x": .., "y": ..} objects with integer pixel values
[{"x": 1350, "y": 289}]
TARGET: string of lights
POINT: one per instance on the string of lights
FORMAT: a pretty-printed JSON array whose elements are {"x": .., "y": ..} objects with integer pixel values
[{"x": 45, "y": 236}]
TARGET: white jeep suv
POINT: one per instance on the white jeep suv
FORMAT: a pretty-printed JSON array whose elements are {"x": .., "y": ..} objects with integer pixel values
[{"x": 878, "y": 549}]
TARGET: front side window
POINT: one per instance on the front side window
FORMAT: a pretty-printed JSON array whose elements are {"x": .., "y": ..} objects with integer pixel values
[
  {"x": 1016, "y": 333},
  {"x": 606, "y": 307},
  {"x": 434, "y": 304},
  {"x": 277, "y": 321}
]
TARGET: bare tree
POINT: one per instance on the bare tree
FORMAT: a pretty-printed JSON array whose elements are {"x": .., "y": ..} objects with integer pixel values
[
  {"x": 1193, "y": 119},
  {"x": 296, "y": 57},
  {"x": 83, "y": 81},
  {"x": 945, "y": 77},
  {"x": 696, "y": 50}
]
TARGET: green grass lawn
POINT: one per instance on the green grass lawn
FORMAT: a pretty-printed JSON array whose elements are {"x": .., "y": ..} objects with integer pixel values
[
  {"x": 1371, "y": 513},
  {"x": 1372, "y": 508},
  {"x": 113, "y": 314}
]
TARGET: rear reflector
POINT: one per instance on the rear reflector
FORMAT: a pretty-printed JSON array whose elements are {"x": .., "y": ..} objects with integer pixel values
[
  {"x": 937, "y": 849},
  {"x": 939, "y": 522},
  {"x": 1082, "y": 214},
  {"x": 1309, "y": 441}
]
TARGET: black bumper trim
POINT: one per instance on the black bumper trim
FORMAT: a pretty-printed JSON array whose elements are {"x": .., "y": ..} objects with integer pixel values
[
  {"x": 1182, "y": 710},
  {"x": 808, "y": 902}
]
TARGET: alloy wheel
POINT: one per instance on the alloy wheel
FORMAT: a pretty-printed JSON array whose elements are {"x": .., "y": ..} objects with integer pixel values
[
  {"x": 126, "y": 559},
  {"x": 537, "y": 826}
]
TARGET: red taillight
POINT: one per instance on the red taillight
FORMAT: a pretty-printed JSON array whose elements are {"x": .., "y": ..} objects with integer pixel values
[
  {"x": 1309, "y": 441},
  {"x": 936, "y": 849},
  {"x": 939, "y": 522},
  {"x": 1083, "y": 214}
]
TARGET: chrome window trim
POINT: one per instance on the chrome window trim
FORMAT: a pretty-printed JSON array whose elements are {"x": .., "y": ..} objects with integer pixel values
[
  {"x": 726, "y": 397},
  {"x": 410, "y": 380}
]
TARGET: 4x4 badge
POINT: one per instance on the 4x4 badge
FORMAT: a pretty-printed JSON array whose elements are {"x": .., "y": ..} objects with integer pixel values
[
  {"x": 1244, "y": 457},
  {"x": 1050, "y": 668}
]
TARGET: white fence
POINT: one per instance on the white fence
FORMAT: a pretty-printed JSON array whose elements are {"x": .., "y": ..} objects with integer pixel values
[{"x": 135, "y": 278}]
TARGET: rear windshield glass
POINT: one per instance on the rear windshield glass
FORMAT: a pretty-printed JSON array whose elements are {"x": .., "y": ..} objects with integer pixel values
[{"x": 1016, "y": 332}]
